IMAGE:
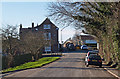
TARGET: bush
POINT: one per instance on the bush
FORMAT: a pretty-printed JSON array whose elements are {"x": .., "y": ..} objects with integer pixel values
[
  {"x": 35, "y": 64},
  {"x": 17, "y": 60},
  {"x": 21, "y": 59},
  {"x": 4, "y": 62}
]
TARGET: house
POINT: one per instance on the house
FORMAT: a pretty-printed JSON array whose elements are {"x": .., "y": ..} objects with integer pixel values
[
  {"x": 88, "y": 40},
  {"x": 83, "y": 39},
  {"x": 50, "y": 32}
]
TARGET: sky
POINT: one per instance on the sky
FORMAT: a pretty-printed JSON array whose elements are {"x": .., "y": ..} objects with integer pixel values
[{"x": 15, "y": 13}]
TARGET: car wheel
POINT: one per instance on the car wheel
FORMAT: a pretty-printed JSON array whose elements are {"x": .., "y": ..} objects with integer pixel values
[{"x": 87, "y": 65}]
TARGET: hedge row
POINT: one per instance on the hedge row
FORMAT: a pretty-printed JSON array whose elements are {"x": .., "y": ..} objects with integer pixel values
[{"x": 17, "y": 60}]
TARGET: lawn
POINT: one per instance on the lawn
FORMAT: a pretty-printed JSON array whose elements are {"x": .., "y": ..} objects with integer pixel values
[{"x": 35, "y": 64}]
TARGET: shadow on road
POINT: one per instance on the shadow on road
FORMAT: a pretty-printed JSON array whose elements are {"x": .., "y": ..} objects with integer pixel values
[
  {"x": 80, "y": 68},
  {"x": 76, "y": 51},
  {"x": 72, "y": 60}
]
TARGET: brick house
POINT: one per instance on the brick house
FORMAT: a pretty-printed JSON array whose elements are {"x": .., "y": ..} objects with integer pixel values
[
  {"x": 88, "y": 40},
  {"x": 50, "y": 32},
  {"x": 84, "y": 39}
]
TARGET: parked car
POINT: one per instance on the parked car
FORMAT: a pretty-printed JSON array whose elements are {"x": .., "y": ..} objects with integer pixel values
[
  {"x": 95, "y": 52},
  {"x": 71, "y": 46},
  {"x": 93, "y": 60},
  {"x": 92, "y": 52},
  {"x": 89, "y": 47},
  {"x": 84, "y": 47}
]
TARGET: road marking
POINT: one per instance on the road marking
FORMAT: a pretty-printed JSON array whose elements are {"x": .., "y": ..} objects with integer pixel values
[{"x": 112, "y": 73}]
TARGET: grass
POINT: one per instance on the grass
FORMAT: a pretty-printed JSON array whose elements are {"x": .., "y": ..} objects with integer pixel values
[
  {"x": 35, "y": 64},
  {"x": 118, "y": 67}
]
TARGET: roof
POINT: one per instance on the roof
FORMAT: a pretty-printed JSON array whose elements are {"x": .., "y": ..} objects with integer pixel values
[
  {"x": 47, "y": 21},
  {"x": 87, "y": 37}
]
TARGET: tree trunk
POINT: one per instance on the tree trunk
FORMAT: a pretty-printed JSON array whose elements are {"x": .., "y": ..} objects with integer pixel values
[
  {"x": 10, "y": 60},
  {"x": 33, "y": 59},
  {"x": 36, "y": 58}
]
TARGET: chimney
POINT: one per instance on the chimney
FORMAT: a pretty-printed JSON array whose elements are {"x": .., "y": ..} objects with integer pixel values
[
  {"x": 37, "y": 24},
  {"x": 20, "y": 26},
  {"x": 32, "y": 24}
]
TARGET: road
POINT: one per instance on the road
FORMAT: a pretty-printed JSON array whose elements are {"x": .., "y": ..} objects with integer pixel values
[{"x": 70, "y": 65}]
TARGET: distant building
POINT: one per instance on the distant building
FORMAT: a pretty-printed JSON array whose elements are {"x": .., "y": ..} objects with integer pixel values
[
  {"x": 48, "y": 29},
  {"x": 83, "y": 39},
  {"x": 68, "y": 41},
  {"x": 88, "y": 40}
]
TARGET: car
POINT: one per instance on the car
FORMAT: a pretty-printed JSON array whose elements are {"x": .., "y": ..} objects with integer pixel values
[
  {"x": 89, "y": 47},
  {"x": 91, "y": 52},
  {"x": 71, "y": 46},
  {"x": 84, "y": 47},
  {"x": 93, "y": 60}
]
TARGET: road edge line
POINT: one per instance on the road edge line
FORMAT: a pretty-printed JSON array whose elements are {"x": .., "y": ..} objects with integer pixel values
[{"x": 112, "y": 73}]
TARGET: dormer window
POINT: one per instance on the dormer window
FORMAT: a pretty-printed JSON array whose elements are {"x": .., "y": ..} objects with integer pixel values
[{"x": 46, "y": 26}]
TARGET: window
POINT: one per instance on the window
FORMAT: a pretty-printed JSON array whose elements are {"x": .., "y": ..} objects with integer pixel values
[
  {"x": 47, "y": 36},
  {"x": 47, "y": 26},
  {"x": 36, "y": 29},
  {"x": 47, "y": 49},
  {"x": 47, "y": 46},
  {"x": 90, "y": 41}
]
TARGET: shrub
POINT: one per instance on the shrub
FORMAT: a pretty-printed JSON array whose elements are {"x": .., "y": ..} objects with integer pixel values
[
  {"x": 17, "y": 60},
  {"x": 21, "y": 59}
]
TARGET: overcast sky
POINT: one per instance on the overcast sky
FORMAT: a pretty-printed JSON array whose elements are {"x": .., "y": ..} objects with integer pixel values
[{"x": 15, "y": 13}]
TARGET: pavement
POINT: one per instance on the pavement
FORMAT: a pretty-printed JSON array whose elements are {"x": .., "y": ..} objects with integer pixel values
[{"x": 71, "y": 65}]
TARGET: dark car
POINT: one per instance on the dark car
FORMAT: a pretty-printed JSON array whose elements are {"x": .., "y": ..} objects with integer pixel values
[
  {"x": 92, "y": 52},
  {"x": 93, "y": 60},
  {"x": 95, "y": 52},
  {"x": 71, "y": 46}
]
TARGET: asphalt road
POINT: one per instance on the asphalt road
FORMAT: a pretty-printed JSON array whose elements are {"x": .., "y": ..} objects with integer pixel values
[{"x": 70, "y": 65}]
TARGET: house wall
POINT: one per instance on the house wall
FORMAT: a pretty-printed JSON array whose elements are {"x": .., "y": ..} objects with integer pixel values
[
  {"x": 89, "y": 41},
  {"x": 40, "y": 30}
]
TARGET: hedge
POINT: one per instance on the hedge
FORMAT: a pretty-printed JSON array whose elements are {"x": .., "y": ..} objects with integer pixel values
[
  {"x": 21, "y": 59},
  {"x": 17, "y": 60}
]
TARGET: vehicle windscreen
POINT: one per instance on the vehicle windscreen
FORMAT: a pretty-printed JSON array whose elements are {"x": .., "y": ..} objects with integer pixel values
[
  {"x": 93, "y": 53},
  {"x": 95, "y": 57}
]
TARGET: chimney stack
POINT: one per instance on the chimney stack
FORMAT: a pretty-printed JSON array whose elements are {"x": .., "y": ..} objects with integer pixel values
[
  {"x": 20, "y": 25},
  {"x": 32, "y": 24},
  {"x": 37, "y": 24}
]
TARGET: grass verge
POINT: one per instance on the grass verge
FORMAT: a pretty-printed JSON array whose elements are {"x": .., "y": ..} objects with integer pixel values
[{"x": 29, "y": 65}]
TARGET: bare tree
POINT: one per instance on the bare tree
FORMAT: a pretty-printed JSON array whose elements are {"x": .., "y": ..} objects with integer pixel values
[
  {"x": 10, "y": 42},
  {"x": 99, "y": 19},
  {"x": 62, "y": 13},
  {"x": 34, "y": 43}
]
